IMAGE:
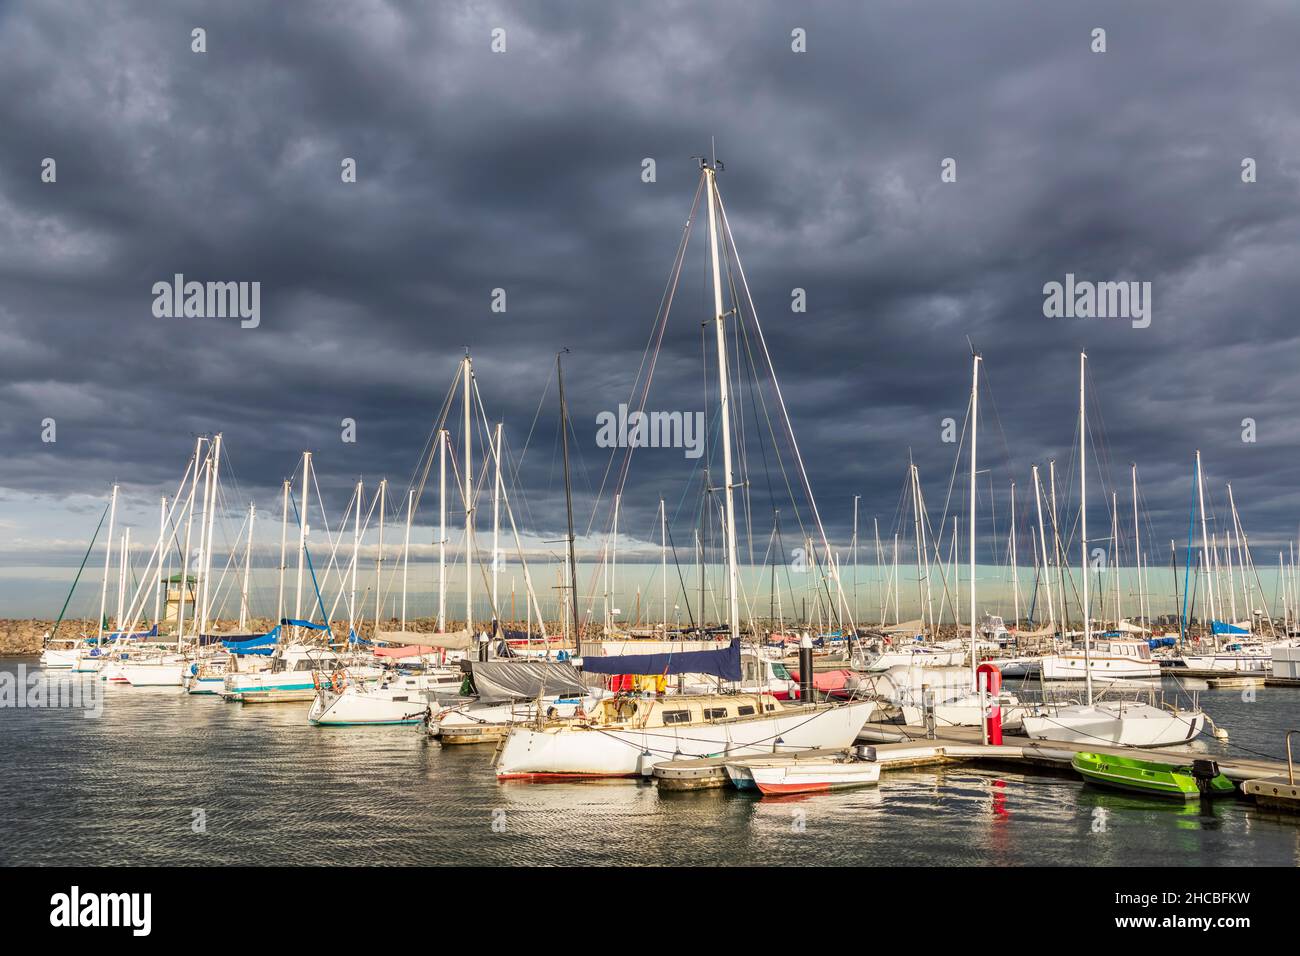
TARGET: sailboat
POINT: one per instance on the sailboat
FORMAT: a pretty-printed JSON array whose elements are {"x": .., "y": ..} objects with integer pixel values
[
  {"x": 628, "y": 735},
  {"x": 1128, "y": 723}
]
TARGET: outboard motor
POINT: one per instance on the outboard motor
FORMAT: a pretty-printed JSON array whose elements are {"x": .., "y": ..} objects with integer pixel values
[{"x": 1203, "y": 771}]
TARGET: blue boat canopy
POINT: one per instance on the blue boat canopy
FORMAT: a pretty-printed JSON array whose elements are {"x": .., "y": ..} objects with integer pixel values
[
  {"x": 290, "y": 622},
  {"x": 253, "y": 643},
  {"x": 1156, "y": 642},
  {"x": 724, "y": 663},
  {"x": 1219, "y": 627}
]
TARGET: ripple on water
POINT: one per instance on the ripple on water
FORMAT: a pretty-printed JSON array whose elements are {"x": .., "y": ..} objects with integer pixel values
[{"x": 124, "y": 788}]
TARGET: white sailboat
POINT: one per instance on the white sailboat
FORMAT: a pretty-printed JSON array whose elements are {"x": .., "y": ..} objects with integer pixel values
[
  {"x": 1133, "y": 724},
  {"x": 629, "y": 735}
]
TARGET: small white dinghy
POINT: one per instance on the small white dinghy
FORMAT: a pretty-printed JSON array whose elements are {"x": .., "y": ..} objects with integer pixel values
[{"x": 786, "y": 775}]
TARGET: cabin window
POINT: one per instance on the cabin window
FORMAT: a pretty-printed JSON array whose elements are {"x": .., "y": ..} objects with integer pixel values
[
  {"x": 677, "y": 716},
  {"x": 745, "y": 711},
  {"x": 715, "y": 713},
  {"x": 779, "y": 672},
  {"x": 769, "y": 707}
]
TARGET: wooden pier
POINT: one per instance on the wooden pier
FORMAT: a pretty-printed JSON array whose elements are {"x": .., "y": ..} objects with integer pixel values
[{"x": 1254, "y": 776}]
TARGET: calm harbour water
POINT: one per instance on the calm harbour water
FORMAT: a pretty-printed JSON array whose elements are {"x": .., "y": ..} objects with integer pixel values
[{"x": 124, "y": 788}]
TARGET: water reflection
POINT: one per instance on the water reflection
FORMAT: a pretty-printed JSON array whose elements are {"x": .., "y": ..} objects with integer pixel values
[{"x": 124, "y": 788}]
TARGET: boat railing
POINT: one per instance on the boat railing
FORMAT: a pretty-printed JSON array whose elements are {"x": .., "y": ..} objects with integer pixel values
[{"x": 1290, "y": 766}]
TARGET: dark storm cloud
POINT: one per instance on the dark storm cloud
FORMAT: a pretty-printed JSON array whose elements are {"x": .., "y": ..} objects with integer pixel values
[{"x": 522, "y": 171}]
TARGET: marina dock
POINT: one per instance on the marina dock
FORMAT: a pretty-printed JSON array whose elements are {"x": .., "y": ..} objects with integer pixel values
[{"x": 1259, "y": 778}]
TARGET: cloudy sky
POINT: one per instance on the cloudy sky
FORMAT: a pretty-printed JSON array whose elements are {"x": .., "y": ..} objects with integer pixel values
[{"x": 522, "y": 170}]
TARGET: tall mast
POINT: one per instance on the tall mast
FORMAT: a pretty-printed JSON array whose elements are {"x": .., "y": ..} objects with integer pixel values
[
  {"x": 185, "y": 554},
  {"x": 880, "y": 559},
  {"x": 406, "y": 549},
  {"x": 974, "y": 434},
  {"x": 1083, "y": 525},
  {"x": 1056, "y": 545},
  {"x": 724, "y": 401},
  {"x": 284, "y": 541},
  {"x": 855, "y": 556},
  {"x": 1137, "y": 549},
  {"x": 248, "y": 566},
  {"x": 201, "y": 612},
  {"x": 121, "y": 576},
  {"x": 1042, "y": 543},
  {"x": 613, "y": 562},
  {"x": 496, "y": 524},
  {"x": 1015, "y": 571},
  {"x": 210, "y": 519},
  {"x": 162, "y": 563},
  {"x": 357, "y": 499},
  {"x": 379, "y": 555},
  {"x": 920, "y": 547},
  {"x": 469, "y": 500},
  {"x": 895, "y": 578},
  {"x": 108, "y": 556},
  {"x": 568, "y": 506},
  {"x": 442, "y": 530},
  {"x": 1114, "y": 547},
  {"x": 663, "y": 557},
  {"x": 1205, "y": 544},
  {"x": 302, "y": 534}
]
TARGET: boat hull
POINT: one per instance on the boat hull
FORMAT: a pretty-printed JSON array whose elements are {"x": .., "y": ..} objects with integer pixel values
[
  {"x": 52, "y": 659},
  {"x": 574, "y": 752},
  {"x": 355, "y": 707},
  {"x": 1120, "y": 724},
  {"x": 814, "y": 777},
  {"x": 1145, "y": 777},
  {"x": 154, "y": 675},
  {"x": 1061, "y": 667}
]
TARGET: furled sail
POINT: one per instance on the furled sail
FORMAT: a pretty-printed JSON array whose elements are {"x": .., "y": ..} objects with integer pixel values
[
  {"x": 723, "y": 663},
  {"x": 451, "y": 640}
]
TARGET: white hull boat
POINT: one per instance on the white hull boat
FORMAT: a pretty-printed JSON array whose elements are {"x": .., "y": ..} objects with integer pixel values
[
  {"x": 623, "y": 749},
  {"x": 163, "y": 673},
  {"x": 1071, "y": 666},
  {"x": 59, "y": 658},
  {"x": 926, "y": 655},
  {"x": 1249, "y": 661},
  {"x": 358, "y": 705},
  {"x": 1118, "y": 724},
  {"x": 813, "y": 776},
  {"x": 478, "y": 722}
]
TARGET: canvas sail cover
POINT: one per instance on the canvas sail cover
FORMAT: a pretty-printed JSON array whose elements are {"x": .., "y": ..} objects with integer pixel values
[
  {"x": 245, "y": 643},
  {"x": 451, "y": 640},
  {"x": 723, "y": 663},
  {"x": 525, "y": 680}
]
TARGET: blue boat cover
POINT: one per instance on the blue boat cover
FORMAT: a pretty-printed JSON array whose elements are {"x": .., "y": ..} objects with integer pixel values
[
  {"x": 1155, "y": 642},
  {"x": 253, "y": 643},
  {"x": 355, "y": 638},
  {"x": 290, "y": 622},
  {"x": 1218, "y": 627},
  {"x": 724, "y": 663},
  {"x": 119, "y": 636}
]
